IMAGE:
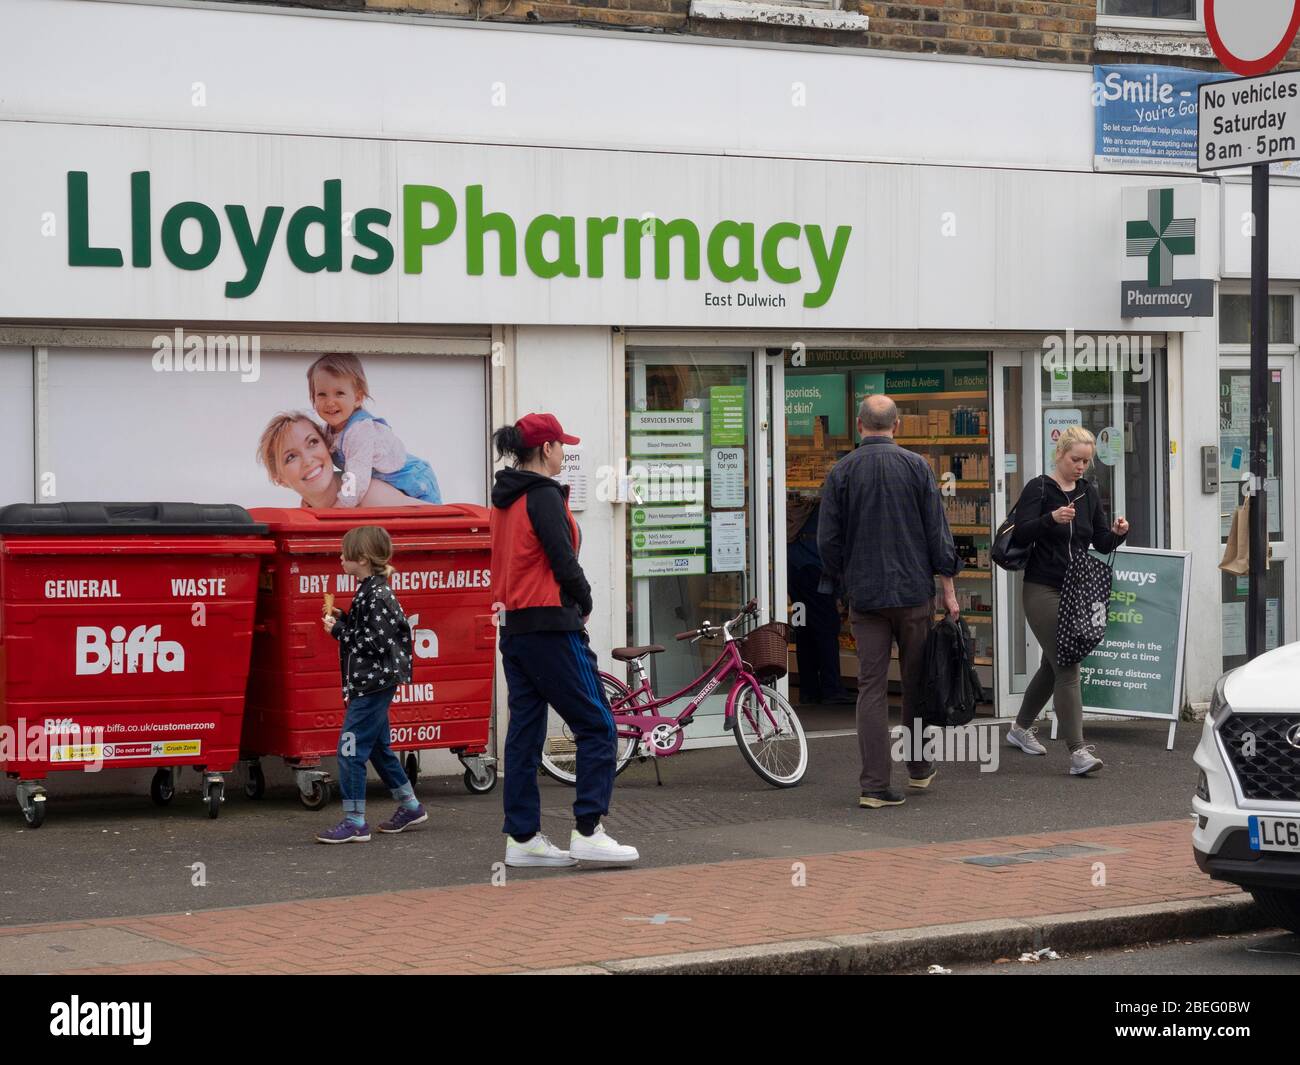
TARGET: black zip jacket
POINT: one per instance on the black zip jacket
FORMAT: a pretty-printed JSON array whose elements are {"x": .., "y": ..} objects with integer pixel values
[
  {"x": 375, "y": 642},
  {"x": 1053, "y": 542},
  {"x": 536, "y": 576}
]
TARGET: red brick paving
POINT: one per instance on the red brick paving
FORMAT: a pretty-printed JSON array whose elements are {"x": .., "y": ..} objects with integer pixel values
[{"x": 571, "y": 917}]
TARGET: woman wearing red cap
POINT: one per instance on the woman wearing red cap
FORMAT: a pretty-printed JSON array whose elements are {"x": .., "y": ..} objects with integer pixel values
[{"x": 536, "y": 578}]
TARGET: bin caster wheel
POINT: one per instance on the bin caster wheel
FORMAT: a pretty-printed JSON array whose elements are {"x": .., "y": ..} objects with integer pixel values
[
  {"x": 215, "y": 795},
  {"x": 481, "y": 785},
  {"x": 34, "y": 810},
  {"x": 161, "y": 788},
  {"x": 255, "y": 785},
  {"x": 317, "y": 797},
  {"x": 412, "y": 767}
]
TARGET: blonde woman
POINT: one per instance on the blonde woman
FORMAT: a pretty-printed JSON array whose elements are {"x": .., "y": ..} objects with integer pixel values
[
  {"x": 293, "y": 450},
  {"x": 1058, "y": 514}
]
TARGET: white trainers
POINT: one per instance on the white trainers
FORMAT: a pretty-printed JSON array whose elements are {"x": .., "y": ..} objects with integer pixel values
[
  {"x": 537, "y": 851},
  {"x": 600, "y": 847},
  {"x": 1026, "y": 739},
  {"x": 1084, "y": 761}
]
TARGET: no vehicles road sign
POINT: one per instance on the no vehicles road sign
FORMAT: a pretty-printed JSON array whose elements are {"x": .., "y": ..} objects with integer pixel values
[{"x": 1248, "y": 121}]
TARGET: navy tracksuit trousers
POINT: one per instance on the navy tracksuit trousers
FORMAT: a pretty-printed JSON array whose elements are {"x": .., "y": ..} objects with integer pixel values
[{"x": 556, "y": 669}]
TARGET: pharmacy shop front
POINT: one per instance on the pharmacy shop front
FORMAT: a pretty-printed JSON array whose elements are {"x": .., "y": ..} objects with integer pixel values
[
  {"x": 729, "y": 448},
  {"x": 706, "y": 325}
]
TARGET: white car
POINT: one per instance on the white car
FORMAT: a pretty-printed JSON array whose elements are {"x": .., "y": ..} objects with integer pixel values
[{"x": 1247, "y": 801}]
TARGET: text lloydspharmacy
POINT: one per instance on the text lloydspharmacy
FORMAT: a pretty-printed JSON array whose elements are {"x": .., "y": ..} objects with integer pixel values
[{"x": 733, "y": 250}]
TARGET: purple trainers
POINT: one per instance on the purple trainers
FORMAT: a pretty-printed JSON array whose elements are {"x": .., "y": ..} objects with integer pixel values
[
  {"x": 345, "y": 832},
  {"x": 405, "y": 818}
]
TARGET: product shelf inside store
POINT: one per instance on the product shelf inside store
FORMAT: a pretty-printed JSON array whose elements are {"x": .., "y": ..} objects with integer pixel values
[
  {"x": 937, "y": 395},
  {"x": 923, "y": 441},
  {"x": 969, "y": 530},
  {"x": 975, "y": 575}
]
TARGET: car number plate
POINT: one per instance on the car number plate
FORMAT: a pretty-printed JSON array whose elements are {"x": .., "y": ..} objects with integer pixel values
[{"x": 1275, "y": 834}]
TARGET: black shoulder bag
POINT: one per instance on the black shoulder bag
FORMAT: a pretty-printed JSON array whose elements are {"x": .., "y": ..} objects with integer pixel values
[{"x": 1006, "y": 553}]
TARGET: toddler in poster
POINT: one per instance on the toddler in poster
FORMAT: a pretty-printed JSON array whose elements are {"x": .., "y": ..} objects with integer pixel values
[{"x": 361, "y": 444}]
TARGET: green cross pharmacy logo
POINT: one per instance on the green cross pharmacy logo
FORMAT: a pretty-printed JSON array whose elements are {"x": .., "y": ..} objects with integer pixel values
[{"x": 1160, "y": 236}]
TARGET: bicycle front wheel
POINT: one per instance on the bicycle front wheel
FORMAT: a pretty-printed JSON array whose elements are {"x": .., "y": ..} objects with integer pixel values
[
  {"x": 560, "y": 748},
  {"x": 771, "y": 737}
]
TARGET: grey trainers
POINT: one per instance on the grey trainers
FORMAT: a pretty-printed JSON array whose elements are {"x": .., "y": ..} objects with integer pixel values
[
  {"x": 1084, "y": 761},
  {"x": 1026, "y": 739}
]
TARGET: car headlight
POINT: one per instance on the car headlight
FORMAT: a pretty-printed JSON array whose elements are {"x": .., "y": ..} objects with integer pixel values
[
  {"x": 1219, "y": 708},
  {"x": 1202, "y": 786}
]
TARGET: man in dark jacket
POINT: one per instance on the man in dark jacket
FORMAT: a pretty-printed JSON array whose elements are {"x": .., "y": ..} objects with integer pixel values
[
  {"x": 883, "y": 537},
  {"x": 548, "y": 662}
]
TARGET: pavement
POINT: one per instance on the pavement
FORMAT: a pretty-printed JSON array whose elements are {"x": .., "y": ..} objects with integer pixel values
[{"x": 735, "y": 876}]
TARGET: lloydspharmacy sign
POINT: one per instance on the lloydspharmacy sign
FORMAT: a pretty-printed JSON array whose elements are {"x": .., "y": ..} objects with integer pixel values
[{"x": 191, "y": 235}]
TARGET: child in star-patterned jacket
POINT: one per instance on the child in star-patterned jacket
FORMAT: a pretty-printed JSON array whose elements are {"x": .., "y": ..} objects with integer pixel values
[{"x": 375, "y": 648}]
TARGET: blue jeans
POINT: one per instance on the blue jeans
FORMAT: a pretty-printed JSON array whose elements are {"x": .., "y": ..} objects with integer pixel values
[
  {"x": 365, "y": 724},
  {"x": 554, "y": 669}
]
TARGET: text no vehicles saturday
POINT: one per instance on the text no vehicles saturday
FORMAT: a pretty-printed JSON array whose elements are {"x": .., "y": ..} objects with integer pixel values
[{"x": 554, "y": 246}]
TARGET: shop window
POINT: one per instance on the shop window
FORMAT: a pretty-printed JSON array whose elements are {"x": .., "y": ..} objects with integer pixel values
[
  {"x": 129, "y": 424},
  {"x": 1168, "y": 10},
  {"x": 1234, "y": 319},
  {"x": 943, "y": 404},
  {"x": 18, "y": 476},
  {"x": 1118, "y": 407},
  {"x": 1234, "y": 449}
]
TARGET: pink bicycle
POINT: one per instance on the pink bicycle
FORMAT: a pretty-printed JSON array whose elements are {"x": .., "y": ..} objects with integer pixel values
[{"x": 765, "y": 725}]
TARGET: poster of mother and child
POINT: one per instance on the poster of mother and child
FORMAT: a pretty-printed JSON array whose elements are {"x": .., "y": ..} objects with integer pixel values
[{"x": 344, "y": 453}]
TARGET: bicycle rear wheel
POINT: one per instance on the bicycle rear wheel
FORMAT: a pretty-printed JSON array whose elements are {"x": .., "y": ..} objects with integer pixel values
[
  {"x": 771, "y": 737},
  {"x": 560, "y": 749}
]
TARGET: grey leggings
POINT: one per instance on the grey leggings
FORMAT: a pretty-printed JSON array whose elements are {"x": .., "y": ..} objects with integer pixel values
[{"x": 1059, "y": 683}]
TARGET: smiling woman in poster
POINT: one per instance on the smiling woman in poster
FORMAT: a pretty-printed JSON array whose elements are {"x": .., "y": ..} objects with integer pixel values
[{"x": 294, "y": 452}]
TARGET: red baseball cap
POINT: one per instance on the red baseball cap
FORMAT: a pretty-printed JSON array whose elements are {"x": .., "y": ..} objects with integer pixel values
[{"x": 537, "y": 429}]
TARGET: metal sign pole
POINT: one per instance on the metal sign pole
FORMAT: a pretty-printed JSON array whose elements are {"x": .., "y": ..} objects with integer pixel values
[{"x": 1259, "y": 337}]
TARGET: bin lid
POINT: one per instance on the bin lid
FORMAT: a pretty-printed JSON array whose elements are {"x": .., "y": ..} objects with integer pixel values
[
  {"x": 335, "y": 521},
  {"x": 111, "y": 519}
]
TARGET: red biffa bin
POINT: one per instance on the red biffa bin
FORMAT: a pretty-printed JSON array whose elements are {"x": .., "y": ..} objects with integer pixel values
[
  {"x": 295, "y": 702},
  {"x": 125, "y": 631}
]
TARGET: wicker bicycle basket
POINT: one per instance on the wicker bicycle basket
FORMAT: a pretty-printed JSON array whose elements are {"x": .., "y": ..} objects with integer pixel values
[{"x": 766, "y": 650}]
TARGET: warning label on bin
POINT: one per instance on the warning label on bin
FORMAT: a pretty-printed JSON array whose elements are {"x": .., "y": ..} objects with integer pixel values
[
  {"x": 76, "y": 752},
  {"x": 110, "y": 752}
]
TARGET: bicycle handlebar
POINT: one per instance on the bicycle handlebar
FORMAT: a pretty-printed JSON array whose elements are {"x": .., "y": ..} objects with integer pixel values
[{"x": 710, "y": 629}]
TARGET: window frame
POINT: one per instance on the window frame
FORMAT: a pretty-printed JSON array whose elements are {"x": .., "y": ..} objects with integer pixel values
[
  {"x": 1156, "y": 25},
  {"x": 815, "y": 5}
]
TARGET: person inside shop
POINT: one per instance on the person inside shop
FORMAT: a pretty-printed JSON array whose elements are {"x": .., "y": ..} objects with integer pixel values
[
  {"x": 1057, "y": 514},
  {"x": 883, "y": 537},
  {"x": 293, "y": 451},
  {"x": 539, "y": 584},
  {"x": 817, "y": 640}
]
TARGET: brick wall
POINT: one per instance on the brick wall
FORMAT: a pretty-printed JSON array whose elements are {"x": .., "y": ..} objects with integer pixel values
[{"x": 1060, "y": 31}]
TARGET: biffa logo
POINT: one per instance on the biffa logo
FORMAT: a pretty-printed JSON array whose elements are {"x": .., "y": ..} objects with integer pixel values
[{"x": 139, "y": 652}]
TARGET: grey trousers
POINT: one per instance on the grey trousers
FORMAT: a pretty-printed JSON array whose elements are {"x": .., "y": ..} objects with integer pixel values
[
  {"x": 1058, "y": 683},
  {"x": 875, "y": 632}
]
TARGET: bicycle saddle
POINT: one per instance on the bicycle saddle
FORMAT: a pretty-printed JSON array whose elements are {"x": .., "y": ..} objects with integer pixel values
[{"x": 627, "y": 654}]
